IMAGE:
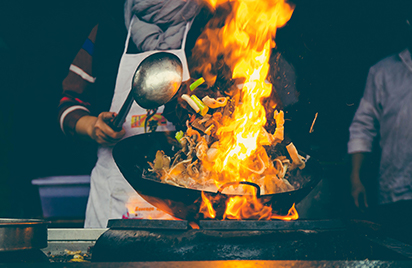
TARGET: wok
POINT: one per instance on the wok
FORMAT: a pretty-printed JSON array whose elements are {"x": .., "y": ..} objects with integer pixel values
[{"x": 133, "y": 154}]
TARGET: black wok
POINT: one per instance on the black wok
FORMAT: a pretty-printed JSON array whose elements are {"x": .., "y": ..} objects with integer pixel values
[{"x": 132, "y": 154}]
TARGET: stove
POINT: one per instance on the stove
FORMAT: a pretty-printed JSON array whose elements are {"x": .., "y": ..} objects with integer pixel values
[{"x": 307, "y": 240}]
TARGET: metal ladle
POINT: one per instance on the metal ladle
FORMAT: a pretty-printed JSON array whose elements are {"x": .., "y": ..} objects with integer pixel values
[{"x": 155, "y": 82}]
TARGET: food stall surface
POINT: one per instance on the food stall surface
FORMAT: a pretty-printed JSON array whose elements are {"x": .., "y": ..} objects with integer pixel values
[
  {"x": 224, "y": 264},
  {"x": 71, "y": 239},
  {"x": 314, "y": 240},
  {"x": 157, "y": 243}
]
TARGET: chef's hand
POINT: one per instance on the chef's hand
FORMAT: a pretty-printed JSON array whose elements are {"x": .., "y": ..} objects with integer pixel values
[
  {"x": 358, "y": 192},
  {"x": 97, "y": 128}
]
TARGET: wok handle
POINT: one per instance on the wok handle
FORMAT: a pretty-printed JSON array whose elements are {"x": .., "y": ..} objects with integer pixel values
[
  {"x": 117, "y": 122},
  {"x": 221, "y": 188}
]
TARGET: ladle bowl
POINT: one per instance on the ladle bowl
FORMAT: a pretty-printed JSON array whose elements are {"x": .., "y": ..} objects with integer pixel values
[{"x": 155, "y": 82}]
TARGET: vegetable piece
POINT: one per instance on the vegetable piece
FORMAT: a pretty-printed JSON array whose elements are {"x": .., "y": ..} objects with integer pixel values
[
  {"x": 192, "y": 118},
  {"x": 207, "y": 131},
  {"x": 264, "y": 137},
  {"x": 212, "y": 152},
  {"x": 215, "y": 103},
  {"x": 313, "y": 123},
  {"x": 196, "y": 83},
  {"x": 70, "y": 252},
  {"x": 198, "y": 123},
  {"x": 205, "y": 118},
  {"x": 203, "y": 108},
  {"x": 77, "y": 260},
  {"x": 179, "y": 135},
  {"x": 166, "y": 162},
  {"x": 191, "y": 102},
  {"x": 297, "y": 160},
  {"x": 262, "y": 169},
  {"x": 279, "y": 132},
  {"x": 217, "y": 116},
  {"x": 201, "y": 149},
  {"x": 158, "y": 162},
  {"x": 192, "y": 170}
]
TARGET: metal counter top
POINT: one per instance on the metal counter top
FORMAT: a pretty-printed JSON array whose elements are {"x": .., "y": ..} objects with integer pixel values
[
  {"x": 74, "y": 239},
  {"x": 222, "y": 264}
]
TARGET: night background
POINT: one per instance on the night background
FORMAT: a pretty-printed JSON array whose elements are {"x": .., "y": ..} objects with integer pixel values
[{"x": 331, "y": 45}]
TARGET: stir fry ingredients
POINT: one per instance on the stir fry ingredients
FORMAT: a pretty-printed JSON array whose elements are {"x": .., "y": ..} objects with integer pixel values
[{"x": 192, "y": 165}]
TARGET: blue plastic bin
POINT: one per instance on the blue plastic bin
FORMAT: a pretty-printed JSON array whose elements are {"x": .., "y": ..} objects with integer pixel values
[{"x": 63, "y": 196}]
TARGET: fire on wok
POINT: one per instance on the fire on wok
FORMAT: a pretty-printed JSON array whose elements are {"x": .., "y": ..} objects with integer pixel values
[
  {"x": 231, "y": 161},
  {"x": 133, "y": 154}
]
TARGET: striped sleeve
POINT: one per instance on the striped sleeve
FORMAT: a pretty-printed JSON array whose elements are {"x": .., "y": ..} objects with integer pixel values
[{"x": 75, "y": 102}]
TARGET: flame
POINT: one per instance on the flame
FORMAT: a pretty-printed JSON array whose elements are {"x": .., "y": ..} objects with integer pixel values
[
  {"x": 206, "y": 207},
  {"x": 249, "y": 25},
  {"x": 244, "y": 207},
  {"x": 292, "y": 215},
  {"x": 194, "y": 225},
  {"x": 240, "y": 207},
  {"x": 244, "y": 44}
]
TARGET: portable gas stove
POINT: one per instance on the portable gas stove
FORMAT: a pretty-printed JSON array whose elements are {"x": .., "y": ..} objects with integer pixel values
[{"x": 159, "y": 240}]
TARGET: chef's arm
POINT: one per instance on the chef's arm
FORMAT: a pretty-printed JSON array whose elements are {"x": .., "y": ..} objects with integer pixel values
[
  {"x": 363, "y": 130},
  {"x": 97, "y": 129},
  {"x": 74, "y": 108},
  {"x": 358, "y": 190}
]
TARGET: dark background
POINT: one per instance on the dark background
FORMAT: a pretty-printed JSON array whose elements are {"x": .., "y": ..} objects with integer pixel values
[{"x": 331, "y": 44}]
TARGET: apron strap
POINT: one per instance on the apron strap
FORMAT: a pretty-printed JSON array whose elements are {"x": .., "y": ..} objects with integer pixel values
[
  {"x": 129, "y": 33},
  {"x": 126, "y": 46},
  {"x": 185, "y": 35}
]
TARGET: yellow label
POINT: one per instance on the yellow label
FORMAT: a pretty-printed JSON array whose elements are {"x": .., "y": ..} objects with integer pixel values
[{"x": 138, "y": 120}]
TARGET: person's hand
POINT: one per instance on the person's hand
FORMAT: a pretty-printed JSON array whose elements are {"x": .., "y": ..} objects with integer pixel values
[
  {"x": 359, "y": 192},
  {"x": 97, "y": 128},
  {"x": 102, "y": 133}
]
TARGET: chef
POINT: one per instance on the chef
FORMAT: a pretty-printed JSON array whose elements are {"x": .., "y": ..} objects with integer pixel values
[
  {"x": 101, "y": 66},
  {"x": 385, "y": 110}
]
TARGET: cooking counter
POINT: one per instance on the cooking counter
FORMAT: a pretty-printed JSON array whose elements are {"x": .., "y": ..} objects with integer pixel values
[
  {"x": 74, "y": 239},
  {"x": 302, "y": 243},
  {"x": 223, "y": 264},
  {"x": 142, "y": 241}
]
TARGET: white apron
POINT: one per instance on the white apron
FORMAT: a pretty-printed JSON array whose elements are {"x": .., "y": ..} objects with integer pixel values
[{"x": 111, "y": 196}]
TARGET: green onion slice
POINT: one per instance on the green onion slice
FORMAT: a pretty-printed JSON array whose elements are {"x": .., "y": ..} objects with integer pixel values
[{"x": 196, "y": 83}]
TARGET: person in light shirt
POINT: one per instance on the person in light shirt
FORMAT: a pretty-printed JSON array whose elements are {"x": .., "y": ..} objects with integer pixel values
[{"x": 385, "y": 111}]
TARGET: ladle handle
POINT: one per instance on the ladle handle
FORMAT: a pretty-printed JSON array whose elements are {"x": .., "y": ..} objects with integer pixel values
[{"x": 117, "y": 122}]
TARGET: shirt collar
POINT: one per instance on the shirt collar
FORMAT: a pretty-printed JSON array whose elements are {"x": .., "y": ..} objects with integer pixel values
[{"x": 405, "y": 56}]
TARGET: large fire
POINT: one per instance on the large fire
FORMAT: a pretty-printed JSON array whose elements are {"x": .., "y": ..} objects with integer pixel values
[
  {"x": 229, "y": 156},
  {"x": 246, "y": 41}
]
